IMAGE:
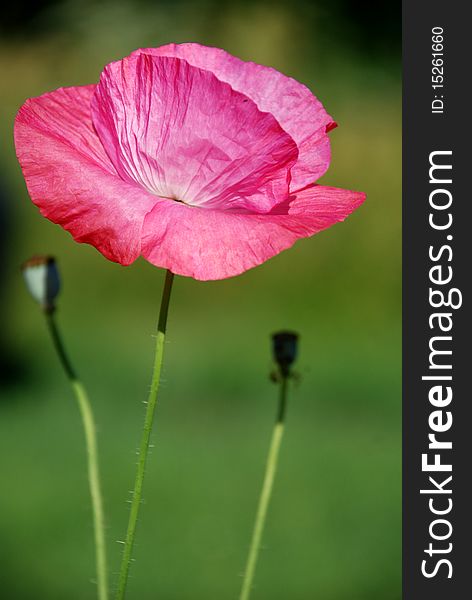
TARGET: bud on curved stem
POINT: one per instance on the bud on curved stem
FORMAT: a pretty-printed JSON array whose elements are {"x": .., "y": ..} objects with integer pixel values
[{"x": 42, "y": 280}]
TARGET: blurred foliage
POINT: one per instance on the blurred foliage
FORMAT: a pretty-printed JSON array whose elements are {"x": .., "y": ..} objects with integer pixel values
[
  {"x": 369, "y": 26},
  {"x": 334, "y": 525}
]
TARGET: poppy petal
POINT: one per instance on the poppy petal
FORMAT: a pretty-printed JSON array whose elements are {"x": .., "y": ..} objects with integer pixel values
[
  {"x": 71, "y": 179},
  {"x": 297, "y": 110},
  {"x": 183, "y": 134},
  {"x": 209, "y": 244}
]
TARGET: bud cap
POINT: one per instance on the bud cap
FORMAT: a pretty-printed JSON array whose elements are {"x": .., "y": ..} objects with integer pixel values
[{"x": 42, "y": 280}]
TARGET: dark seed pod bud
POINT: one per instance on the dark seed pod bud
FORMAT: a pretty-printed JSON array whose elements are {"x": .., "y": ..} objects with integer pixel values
[
  {"x": 285, "y": 347},
  {"x": 42, "y": 280}
]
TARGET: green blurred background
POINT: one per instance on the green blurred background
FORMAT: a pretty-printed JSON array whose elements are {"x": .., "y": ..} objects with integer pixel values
[{"x": 334, "y": 526}]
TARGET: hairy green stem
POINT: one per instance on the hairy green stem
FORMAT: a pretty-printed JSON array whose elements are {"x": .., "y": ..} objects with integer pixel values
[
  {"x": 92, "y": 457},
  {"x": 144, "y": 446},
  {"x": 271, "y": 468}
]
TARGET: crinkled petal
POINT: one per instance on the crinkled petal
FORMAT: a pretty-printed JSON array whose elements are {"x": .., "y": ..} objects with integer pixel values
[
  {"x": 297, "y": 110},
  {"x": 71, "y": 179},
  {"x": 208, "y": 244},
  {"x": 184, "y": 134}
]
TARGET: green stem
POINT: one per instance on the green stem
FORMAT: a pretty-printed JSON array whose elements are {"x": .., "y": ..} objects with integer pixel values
[
  {"x": 266, "y": 492},
  {"x": 92, "y": 457},
  {"x": 144, "y": 447}
]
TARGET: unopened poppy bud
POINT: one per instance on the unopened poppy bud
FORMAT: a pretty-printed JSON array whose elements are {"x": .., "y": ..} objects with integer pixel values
[
  {"x": 285, "y": 345},
  {"x": 42, "y": 280}
]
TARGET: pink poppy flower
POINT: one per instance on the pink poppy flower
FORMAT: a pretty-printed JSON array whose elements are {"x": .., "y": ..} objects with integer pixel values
[{"x": 199, "y": 162}]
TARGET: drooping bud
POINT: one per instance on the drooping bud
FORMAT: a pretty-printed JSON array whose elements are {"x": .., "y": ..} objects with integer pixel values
[
  {"x": 42, "y": 280},
  {"x": 285, "y": 346}
]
